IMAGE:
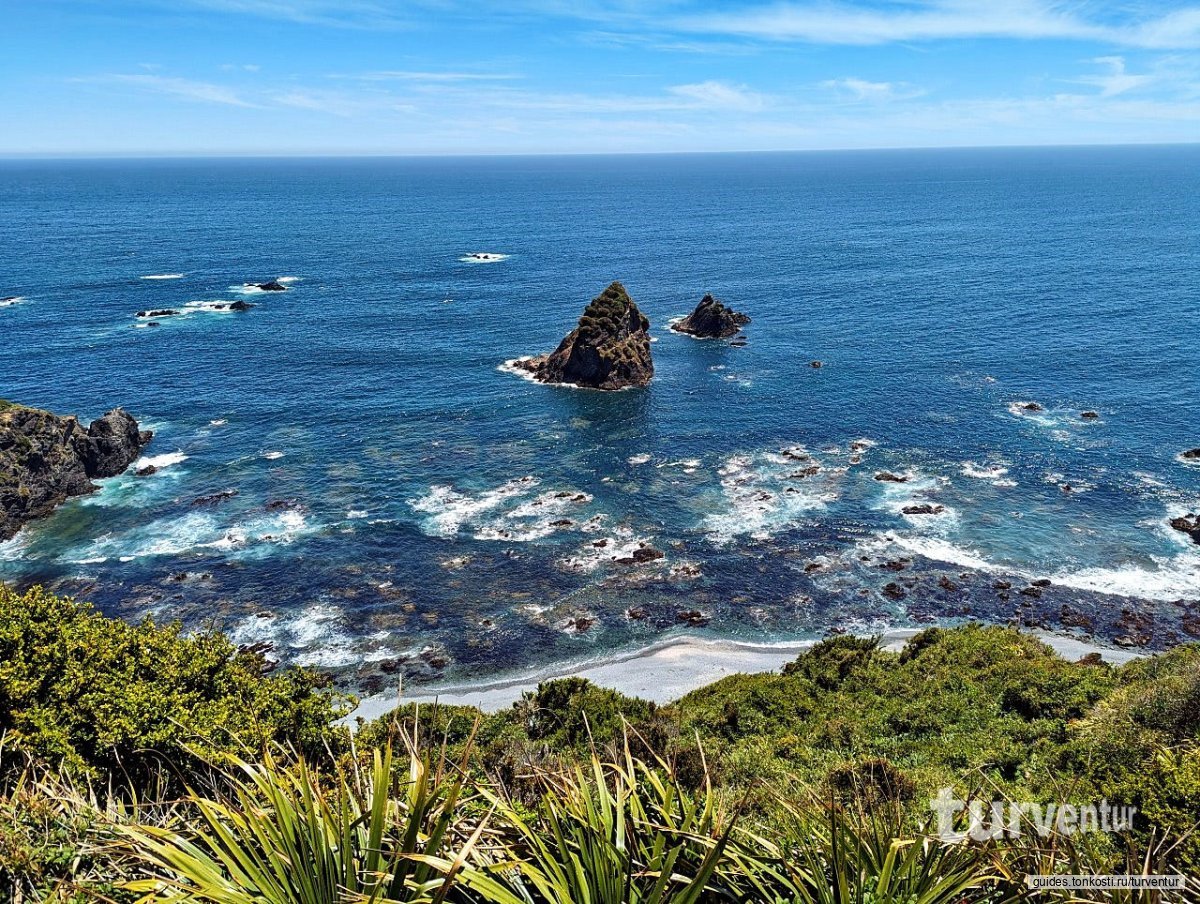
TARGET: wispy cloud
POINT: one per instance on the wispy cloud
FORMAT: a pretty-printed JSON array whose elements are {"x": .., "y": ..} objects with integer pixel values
[
  {"x": 862, "y": 90},
  {"x": 405, "y": 75},
  {"x": 716, "y": 95},
  {"x": 203, "y": 92},
  {"x": 931, "y": 20},
  {"x": 1116, "y": 80}
]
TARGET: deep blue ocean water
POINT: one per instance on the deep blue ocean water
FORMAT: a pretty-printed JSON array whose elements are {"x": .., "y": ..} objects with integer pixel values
[{"x": 400, "y": 495}]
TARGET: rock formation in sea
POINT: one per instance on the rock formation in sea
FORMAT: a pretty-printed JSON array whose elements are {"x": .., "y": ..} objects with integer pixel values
[
  {"x": 45, "y": 459},
  {"x": 1188, "y": 524},
  {"x": 711, "y": 320},
  {"x": 273, "y": 285},
  {"x": 609, "y": 349}
]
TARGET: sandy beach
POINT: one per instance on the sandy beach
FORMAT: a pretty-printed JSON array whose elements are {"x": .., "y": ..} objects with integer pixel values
[{"x": 668, "y": 670}]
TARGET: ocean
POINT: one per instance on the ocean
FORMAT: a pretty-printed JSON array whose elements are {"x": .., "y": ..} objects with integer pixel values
[{"x": 406, "y": 506}]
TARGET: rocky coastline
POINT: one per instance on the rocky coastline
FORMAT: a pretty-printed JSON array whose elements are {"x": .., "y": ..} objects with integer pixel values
[{"x": 45, "y": 459}]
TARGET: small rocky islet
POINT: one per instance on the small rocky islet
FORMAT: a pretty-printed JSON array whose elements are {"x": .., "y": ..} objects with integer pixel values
[
  {"x": 712, "y": 320},
  {"x": 45, "y": 459}
]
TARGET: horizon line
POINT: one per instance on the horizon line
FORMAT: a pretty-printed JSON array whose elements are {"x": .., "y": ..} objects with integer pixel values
[{"x": 427, "y": 155}]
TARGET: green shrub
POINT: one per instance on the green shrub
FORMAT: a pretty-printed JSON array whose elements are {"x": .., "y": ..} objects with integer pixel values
[{"x": 108, "y": 698}]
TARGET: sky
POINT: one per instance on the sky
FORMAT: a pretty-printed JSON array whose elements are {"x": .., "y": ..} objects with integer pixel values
[{"x": 183, "y": 77}]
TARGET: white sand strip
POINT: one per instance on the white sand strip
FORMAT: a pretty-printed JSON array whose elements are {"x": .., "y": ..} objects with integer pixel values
[{"x": 669, "y": 669}]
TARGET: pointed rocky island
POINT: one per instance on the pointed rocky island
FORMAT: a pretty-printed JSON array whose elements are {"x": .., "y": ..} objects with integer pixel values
[
  {"x": 609, "y": 349},
  {"x": 45, "y": 459},
  {"x": 711, "y": 320}
]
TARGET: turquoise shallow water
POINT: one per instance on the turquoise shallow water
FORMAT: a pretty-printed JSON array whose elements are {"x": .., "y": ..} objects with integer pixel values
[{"x": 399, "y": 498}]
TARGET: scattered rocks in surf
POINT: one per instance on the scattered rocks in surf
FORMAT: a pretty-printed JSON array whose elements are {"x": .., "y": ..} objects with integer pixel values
[
  {"x": 889, "y": 477},
  {"x": 641, "y": 556},
  {"x": 46, "y": 459},
  {"x": 214, "y": 498},
  {"x": 1031, "y": 406},
  {"x": 693, "y": 618},
  {"x": 147, "y": 471},
  {"x": 637, "y": 613},
  {"x": 1188, "y": 524},
  {"x": 609, "y": 349},
  {"x": 712, "y": 320},
  {"x": 1190, "y": 455},
  {"x": 924, "y": 508},
  {"x": 164, "y": 312},
  {"x": 273, "y": 285},
  {"x": 894, "y": 591},
  {"x": 1089, "y": 415}
]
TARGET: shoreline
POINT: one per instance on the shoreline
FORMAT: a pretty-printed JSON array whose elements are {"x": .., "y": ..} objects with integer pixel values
[{"x": 669, "y": 669}]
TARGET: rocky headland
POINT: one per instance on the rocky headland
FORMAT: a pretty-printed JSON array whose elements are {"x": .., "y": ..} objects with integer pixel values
[
  {"x": 711, "y": 320},
  {"x": 46, "y": 459},
  {"x": 609, "y": 349}
]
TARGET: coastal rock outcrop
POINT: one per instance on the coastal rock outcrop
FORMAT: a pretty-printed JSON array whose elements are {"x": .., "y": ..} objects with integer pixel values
[
  {"x": 609, "y": 349},
  {"x": 273, "y": 285},
  {"x": 1188, "y": 524},
  {"x": 46, "y": 459},
  {"x": 711, "y": 320}
]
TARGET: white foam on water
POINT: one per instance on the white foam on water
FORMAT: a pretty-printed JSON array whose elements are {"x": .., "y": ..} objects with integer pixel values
[
  {"x": 762, "y": 495},
  {"x": 14, "y": 548},
  {"x": 483, "y": 257},
  {"x": 163, "y": 276},
  {"x": 217, "y": 306},
  {"x": 356, "y": 514},
  {"x": 165, "y": 460},
  {"x": 273, "y": 456},
  {"x": 448, "y": 510},
  {"x": 14, "y": 300},
  {"x": 315, "y": 636},
  {"x": 510, "y": 512},
  {"x": 1170, "y": 579},
  {"x": 219, "y": 422},
  {"x": 983, "y": 471},
  {"x": 639, "y": 459},
  {"x": 288, "y": 280},
  {"x": 196, "y": 532},
  {"x": 510, "y": 367}
]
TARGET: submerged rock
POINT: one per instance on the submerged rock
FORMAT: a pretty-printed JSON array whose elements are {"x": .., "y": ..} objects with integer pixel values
[
  {"x": 45, "y": 459},
  {"x": 240, "y": 306},
  {"x": 609, "y": 349},
  {"x": 711, "y": 320}
]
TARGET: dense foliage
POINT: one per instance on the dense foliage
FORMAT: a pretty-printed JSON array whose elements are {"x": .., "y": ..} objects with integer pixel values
[
  {"x": 809, "y": 785},
  {"x": 105, "y": 698}
]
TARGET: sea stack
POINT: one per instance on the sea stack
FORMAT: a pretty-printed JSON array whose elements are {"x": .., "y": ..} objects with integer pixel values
[
  {"x": 45, "y": 459},
  {"x": 610, "y": 349},
  {"x": 711, "y": 320}
]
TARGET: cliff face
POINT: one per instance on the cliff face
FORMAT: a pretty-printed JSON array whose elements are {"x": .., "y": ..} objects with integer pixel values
[
  {"x": 45, "y": 459},
  {"x": 609, "y": 349},
  {"x": 711, "y": 320}
]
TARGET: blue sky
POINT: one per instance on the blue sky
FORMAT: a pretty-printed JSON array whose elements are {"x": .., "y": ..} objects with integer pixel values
[{"x": 547, "y": 76}]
